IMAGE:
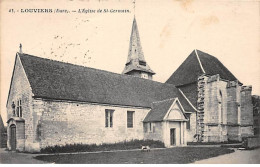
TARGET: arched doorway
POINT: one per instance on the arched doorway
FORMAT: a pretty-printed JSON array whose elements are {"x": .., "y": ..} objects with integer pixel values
[
  {"x": 16, "y": 134},
  {"x": 13, "y": 137}
]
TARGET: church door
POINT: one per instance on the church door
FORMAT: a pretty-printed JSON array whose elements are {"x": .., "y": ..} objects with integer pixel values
[
  {"x": 172, "y": 135},
  {"x": 13, "y": 137}
]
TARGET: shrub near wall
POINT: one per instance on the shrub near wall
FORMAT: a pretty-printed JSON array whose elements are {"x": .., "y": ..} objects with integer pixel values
[{"x": 126, "y": 145}]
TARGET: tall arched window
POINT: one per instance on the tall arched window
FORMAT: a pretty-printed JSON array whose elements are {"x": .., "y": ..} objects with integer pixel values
[
  {"x": 13, "y": 108},
  {"x": 221, "y": 107}
]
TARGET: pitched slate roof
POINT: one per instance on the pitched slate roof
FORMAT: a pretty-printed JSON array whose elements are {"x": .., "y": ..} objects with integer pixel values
[
  {"x": 194, "y": 65},
  {"x": 63, "y": 81},
  {"x": 190, "y": 91},
  {"x": 158, "y": 111},
  {"x": 135, "y": 47}
]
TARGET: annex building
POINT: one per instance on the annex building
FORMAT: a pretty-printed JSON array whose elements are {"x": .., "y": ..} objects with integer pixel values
[{"x": 55, "y": 103}]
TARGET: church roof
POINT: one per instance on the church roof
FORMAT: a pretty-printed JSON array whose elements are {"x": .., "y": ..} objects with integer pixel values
[
  {"x": 190, "y": 91},
  {"x": 135, "y": 59},
  {"x": 51, "y": 79},
  {"x": 196, "y": 64},
  {"x": 159, "y": 110}
]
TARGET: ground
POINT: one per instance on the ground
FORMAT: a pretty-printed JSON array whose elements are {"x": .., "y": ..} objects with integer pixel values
[
  {"x": 9, "y": 157},
  {"x": 173, "y": 155},
  {"x": 238, "y": 157},
  {"x": 179, "y": 155}
]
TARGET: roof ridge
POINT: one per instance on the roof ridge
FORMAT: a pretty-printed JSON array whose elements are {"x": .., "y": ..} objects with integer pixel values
[
  {"x": 199, "y": 62},
  {"x": 217, "y": 59},
  {"x": 91, "y": 68},
  {"x": 165, "y": 100},
  {"x": 187, "y": 99}
]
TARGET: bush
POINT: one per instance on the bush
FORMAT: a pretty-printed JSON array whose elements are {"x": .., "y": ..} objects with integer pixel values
[{"x": 126, "y": 145}]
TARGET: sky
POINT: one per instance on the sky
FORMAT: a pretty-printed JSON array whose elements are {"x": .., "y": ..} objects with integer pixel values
[{"x": 169, "y": 31}]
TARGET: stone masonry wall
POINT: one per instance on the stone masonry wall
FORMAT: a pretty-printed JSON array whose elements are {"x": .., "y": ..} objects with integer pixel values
[
  {"x": 212, "y": 106},
  {"x": 234, "y": 111},
  {"x": 246, "y": 112},
  {"x": 234, "y": 133},
  {"x": 246, "y": 106},
  {"x": 192, "y": 131},
  {"x": 240, "y": 111},
  {"x": 201, "y": 107},
  {"x": 20, "y": 90},
  {"x": 233, "y": 103},
  {"x": 60, "y": 123},
  {"x": 156, "y": 133}
]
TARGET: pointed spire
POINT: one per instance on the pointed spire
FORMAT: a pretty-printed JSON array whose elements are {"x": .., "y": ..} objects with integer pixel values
[
  {"x": 135, "y": 60},
  {"x": 20, "y": 51},
  {"x": 135, "y": 48}
]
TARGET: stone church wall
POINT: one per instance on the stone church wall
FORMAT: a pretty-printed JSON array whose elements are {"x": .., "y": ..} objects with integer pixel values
[
  {"x": 60, "y": 123},
  {"x": 212, "y": 106},
  {"x": 240, "y": 111},
  {"x": 246, "y": 112},
  {"x": 190, "y": 133},
  {"x": 246, "y": 106},
  {"x": 234, "y": 111},
  {"x": 156, "y": 132},
  {"x": 233, "y": 103},
  {"x": 20, "y": 90}
]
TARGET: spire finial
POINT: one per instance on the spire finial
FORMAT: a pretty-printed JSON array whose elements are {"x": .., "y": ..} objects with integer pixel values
[
  {"x": 21, "y": 48},
  {"x": 134, "y": 7}
]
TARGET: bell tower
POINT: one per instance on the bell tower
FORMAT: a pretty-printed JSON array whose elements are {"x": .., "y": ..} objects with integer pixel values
[{"x": 136, "y": 64}]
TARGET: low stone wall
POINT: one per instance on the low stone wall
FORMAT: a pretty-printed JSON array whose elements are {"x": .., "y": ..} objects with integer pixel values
[{"x": 251, "y": 142}]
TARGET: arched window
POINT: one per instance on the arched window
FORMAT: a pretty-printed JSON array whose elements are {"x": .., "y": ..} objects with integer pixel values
[
  {"x": 13, "y": 108},
  {"x": 221, "y": 107},
  {"x": 19, "y": 109}
]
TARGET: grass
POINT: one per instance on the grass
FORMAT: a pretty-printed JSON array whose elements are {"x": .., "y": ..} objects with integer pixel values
[
  {"x": 203, "y": 143},
  {"x": 177, "y": 155},
  {"x": 212, "y": 143},
  {"x": 126, "y": 145}
]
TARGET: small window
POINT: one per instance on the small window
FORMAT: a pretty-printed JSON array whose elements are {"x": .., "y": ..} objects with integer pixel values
[
  {"x": 109, "y": 118},
  {"x": 19, "y": 109},
  {"x": 130, "y": 119},
  {"x": 143, "y": 63},
  {"x": 188, "y": 122},
  {"x": 151, "y": 127}
]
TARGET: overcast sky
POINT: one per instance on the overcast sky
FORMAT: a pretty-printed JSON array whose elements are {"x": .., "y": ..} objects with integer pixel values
[{"x": 169, "y": 30}]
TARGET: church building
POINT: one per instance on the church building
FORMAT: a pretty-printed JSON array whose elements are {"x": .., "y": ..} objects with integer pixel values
[{"x": 55, "y": 103}]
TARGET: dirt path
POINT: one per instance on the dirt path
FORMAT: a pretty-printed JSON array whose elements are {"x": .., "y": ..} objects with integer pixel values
[
  {"x": 9, "y": 157},
  {"x": 238, "y": 157}
]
